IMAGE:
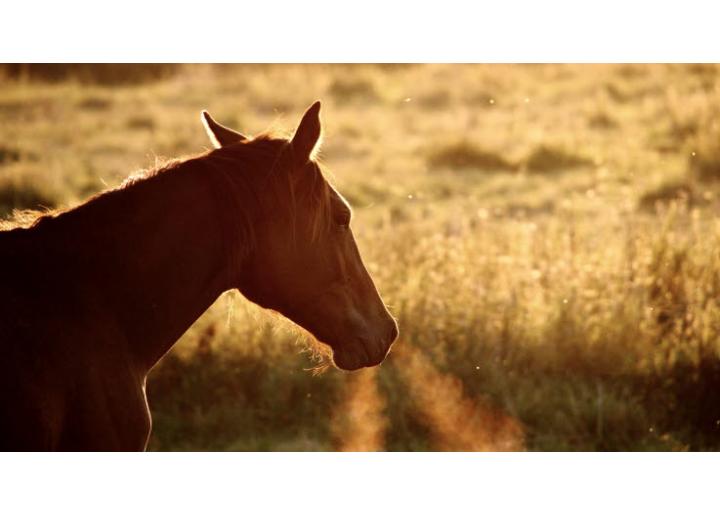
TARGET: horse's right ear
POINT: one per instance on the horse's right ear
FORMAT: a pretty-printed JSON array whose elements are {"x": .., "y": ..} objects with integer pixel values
[{"x": 219, "y": 135}]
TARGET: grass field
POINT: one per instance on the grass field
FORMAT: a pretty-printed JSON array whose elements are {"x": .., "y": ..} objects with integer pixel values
[{"x": 547, "y": 236}]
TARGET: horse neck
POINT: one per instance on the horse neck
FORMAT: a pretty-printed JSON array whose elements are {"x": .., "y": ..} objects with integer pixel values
[{"x": 161, "y": 257}]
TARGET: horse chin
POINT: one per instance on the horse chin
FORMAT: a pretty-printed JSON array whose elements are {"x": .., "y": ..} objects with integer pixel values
[
  {"x": 352, "y": 359},
  {"x": 347, "y": 361}
]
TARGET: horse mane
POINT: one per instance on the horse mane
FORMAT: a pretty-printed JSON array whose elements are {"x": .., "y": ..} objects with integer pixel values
[
  {"x": 276, "y": 156},
  {"x": 241, "y": 175}
]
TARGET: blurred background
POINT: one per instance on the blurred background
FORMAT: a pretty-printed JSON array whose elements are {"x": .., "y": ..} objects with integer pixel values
[{"x": 546, "y": 235}]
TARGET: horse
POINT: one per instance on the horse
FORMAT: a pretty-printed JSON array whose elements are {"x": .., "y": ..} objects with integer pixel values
[{"x": 92, "y": 297}]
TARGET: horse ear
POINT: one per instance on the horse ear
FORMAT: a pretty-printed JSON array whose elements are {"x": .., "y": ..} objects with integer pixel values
[
  {"x": 219, "y": 135},
  {"x": 307, "y": 134}
]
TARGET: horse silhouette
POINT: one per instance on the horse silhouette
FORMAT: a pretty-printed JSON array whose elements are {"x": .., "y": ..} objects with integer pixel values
[{"x": 91, "y": 298}]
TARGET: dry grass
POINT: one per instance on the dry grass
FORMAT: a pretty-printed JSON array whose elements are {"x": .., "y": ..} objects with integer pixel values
[{"x": 570, "y": 302}]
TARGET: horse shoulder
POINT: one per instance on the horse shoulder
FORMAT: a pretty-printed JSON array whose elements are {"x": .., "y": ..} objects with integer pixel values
[{"x": 69, "y": 386}]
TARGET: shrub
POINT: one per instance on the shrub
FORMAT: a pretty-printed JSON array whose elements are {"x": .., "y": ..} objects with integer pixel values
[
  {"x": 105, "y": 74},
  {"x": 667, "y": 193},
  {"x": 544, "y": 159},
  {"x": 463, "y": 155},
  {"x": 704, "y": 161},
  {"x": 347, "y": 90},
  {"x": 21, "y": 194}
]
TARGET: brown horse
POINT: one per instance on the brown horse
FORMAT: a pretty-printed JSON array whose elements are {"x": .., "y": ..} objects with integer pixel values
[{"x": 92, "y": 298}]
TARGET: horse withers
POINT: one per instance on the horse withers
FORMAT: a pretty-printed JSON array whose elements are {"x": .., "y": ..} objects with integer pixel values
[{"x": 91, "y": 298}]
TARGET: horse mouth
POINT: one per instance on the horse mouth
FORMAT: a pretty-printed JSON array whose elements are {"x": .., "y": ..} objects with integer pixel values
[{"x": 358, "y": 356}]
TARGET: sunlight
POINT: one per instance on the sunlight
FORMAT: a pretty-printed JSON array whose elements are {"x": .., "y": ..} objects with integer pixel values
[
  {"x": 359, "y": 423},
  {"x": 457, "y": 422}
]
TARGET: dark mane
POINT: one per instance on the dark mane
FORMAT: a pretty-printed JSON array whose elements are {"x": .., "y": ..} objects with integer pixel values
[{"x": 248, "y": 175}]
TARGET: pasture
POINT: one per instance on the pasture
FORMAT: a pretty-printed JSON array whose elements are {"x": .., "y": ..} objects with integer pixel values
[{"x": 546, "y": 235}]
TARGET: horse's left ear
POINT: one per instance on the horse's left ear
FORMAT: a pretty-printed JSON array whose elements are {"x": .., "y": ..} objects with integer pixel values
[
  {"x": 219, "y": 135},
  {"x": 307, "y": 134}
]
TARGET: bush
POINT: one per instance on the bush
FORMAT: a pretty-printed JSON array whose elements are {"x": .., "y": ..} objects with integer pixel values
[
  {"x": 704, "y": 161},
  {"x": 348, "y": 90},
  {"x": 20, "y": 195},
  {"x": 463, "y": 155},
  {"x": 546, "y": 159},
  {"x": 667, "y": 193},
  {"x": 105, "y": 74}
]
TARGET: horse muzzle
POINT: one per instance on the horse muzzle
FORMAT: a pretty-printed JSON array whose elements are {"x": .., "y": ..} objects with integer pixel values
[{"x": 365, "y": 351}]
